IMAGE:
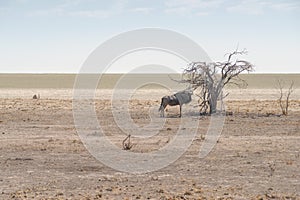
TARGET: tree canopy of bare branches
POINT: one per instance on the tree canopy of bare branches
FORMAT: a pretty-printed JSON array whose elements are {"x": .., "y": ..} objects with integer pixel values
[{"x": 211, "y": 78}]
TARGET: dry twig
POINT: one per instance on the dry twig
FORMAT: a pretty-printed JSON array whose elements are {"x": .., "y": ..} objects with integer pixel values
[
  {"x": 127, "y": 145},
  {"x": 284, "y": 103}
]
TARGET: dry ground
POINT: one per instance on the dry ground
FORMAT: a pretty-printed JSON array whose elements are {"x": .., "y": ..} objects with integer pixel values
[{"x": 42, "y": 157}]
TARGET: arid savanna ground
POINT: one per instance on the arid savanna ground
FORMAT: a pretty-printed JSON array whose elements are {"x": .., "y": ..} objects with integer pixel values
[{"x": 42, "y": 157}]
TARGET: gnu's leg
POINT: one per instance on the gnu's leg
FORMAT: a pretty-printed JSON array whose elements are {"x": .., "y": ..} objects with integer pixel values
[
  {"x": 162, "y": 107},
  {"x": 180, "y": 110},
  {"x": 162, "y": 112}
]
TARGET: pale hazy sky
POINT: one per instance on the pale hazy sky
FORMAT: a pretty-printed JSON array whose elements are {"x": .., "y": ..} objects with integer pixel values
[{"x": 57, "y": 36}]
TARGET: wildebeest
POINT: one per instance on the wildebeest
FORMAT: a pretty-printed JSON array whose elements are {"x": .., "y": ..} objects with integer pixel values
[{"x": 179, "y": 98}]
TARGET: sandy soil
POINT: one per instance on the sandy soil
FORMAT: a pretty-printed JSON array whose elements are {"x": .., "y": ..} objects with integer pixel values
[{"x": 42, "y": 157}]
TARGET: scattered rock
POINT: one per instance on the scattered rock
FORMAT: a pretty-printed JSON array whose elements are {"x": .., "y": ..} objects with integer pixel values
[
  {"x": 229, "y": 113},
  {"x": 187, "y": 193},
  {"x": 59, "y": 194},
  {"x": 270, "y": 196},
  {"x": 160, "y": 191},
  {"x": 23, "y": 159},
  {"x": 138, "y": 197},
  {"x": 36, "y": 96}
]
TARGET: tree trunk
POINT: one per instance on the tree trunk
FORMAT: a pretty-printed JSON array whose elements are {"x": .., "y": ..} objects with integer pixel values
[{"x": 213, "y": 103}]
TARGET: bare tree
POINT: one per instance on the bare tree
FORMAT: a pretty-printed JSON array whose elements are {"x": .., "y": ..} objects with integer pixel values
[
  {"x": 284, "y": 98},
  {"x": 211, "y": 78}
]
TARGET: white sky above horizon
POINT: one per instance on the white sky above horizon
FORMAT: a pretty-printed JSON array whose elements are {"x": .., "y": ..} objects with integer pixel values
[{"x": 57, "y": 36}]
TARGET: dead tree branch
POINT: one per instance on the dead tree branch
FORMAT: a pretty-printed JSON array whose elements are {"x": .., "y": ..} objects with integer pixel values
[{"x": 127, "y": 145}]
